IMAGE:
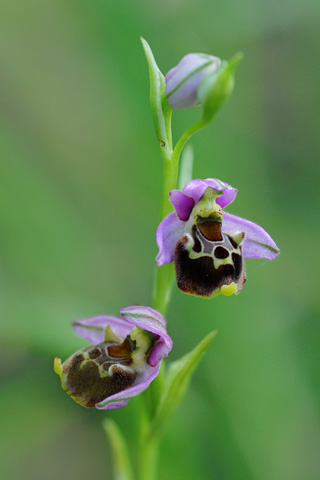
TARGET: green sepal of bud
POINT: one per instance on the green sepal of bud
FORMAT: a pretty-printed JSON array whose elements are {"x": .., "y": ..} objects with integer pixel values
[{"x": 215, "y": 89}]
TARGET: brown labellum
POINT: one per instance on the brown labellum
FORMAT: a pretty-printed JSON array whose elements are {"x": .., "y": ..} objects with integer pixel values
[
  {"x": 208, "y": 260},
  {"x": 99, "y": 371}
]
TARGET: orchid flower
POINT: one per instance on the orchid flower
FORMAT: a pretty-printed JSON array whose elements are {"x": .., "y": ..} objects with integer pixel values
[
  {"x": 124, "y": 359},
  {"x": 206, "y": 244}
]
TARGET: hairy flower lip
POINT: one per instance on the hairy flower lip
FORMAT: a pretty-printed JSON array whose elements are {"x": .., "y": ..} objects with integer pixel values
[{"x": 146, "y": 318}]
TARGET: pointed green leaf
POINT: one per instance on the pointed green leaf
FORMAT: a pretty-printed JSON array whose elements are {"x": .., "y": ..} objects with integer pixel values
[
  {"x": 121, "y": 461},
  {"x": 186, "y": 167},
  {"x": 177, "y": 382},
  {"x": 160, "y": 107}
]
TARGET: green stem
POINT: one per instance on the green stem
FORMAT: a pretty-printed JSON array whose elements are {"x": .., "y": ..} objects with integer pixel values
[
  {"x": 185, "y": 137},
  {"x": 165, "y": 274},
  {"x": 148, "y": 450},
  {"x": 149, "y": 459},
  {"x": 162, "y": 290},
  {"x": 163, "y": 284}
]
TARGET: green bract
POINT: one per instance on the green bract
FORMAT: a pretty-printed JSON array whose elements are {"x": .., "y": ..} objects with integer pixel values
[
  {"x": 160, "y": 107},
  {"x": 215, "y": 89}
]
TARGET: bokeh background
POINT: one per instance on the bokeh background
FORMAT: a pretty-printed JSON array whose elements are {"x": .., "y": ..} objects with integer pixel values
[{"x": 80, "y": 180}]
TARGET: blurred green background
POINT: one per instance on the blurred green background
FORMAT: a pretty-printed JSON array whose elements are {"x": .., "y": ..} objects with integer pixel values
[{"x": 80, "y": 179}]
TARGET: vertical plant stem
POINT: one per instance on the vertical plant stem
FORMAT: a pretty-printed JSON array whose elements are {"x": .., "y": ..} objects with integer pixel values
[
  {"x": 148, "y": 451},
  {"x": 149, "y": 459},
  {"x": 161, "y": 296},
  {"x": 165, "y": 274}
]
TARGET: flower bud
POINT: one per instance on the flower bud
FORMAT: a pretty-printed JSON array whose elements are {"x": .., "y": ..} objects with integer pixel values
[{"x": 183, "y": 80}]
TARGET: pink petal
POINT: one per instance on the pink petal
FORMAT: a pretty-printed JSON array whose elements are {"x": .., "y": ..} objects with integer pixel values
[{"x": 257, "y": 243}]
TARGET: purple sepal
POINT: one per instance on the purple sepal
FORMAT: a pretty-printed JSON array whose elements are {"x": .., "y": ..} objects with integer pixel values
[
  {"x": 168, "y": 233},
  {"x": 134, "y": 316},
  {"x": 257, "y": 244}
]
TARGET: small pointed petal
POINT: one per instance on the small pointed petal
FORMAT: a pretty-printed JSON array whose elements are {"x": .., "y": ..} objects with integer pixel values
[
  {"x": 93, "y": 329},
  {"x": 257, "y": 243},
  {"x": 168, "y": 233},
  {"x": 182, "y": 203},
  {"x": 110, "y": 335},
  {"x": 152, "y": 321},
  {"x": 196, "y": 188}
]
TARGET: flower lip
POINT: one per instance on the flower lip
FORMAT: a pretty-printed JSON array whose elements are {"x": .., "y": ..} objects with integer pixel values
[{"x": 148, "y": 320}]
